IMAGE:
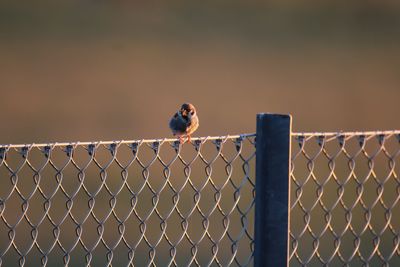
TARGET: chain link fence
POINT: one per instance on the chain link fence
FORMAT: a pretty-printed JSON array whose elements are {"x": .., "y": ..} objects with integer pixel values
[
  {"x": 128, "y": 203},
  {"x": 160, "y": 203},
  {"x": 345, "y": 199}
]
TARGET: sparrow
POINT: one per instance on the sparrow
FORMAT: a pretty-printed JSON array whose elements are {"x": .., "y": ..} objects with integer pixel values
[{"x": 184, "y": 122}]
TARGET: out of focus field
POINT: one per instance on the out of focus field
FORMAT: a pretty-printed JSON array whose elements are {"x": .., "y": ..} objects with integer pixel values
[{"x": 92, "y": 70}]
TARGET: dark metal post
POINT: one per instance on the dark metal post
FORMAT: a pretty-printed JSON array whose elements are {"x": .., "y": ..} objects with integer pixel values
[{"x": 272, "y": 190}]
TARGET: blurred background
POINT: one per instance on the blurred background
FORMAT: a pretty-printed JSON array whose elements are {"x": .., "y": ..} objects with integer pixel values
[
  {"x": 102, "y": 70},
  {"x": 107, "y": 70}
]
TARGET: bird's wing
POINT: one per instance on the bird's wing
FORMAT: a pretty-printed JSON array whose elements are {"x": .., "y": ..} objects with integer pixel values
[{"x": 178, "y": 124}]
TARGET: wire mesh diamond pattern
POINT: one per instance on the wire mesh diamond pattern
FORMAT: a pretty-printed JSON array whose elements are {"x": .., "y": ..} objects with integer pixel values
[
  {"x": 128, "y": 203},
  {"x": 345, "y": 199},
  {"x": 161, "y": 203}
]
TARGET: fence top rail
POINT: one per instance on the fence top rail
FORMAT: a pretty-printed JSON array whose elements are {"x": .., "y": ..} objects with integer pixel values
[
  {"x": 202, "y": 139},
  {"x": 118, "y": 142},
  {"x": 341, "y": 133}
]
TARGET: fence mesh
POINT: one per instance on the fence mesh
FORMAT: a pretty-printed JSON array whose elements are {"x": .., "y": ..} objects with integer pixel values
[
  {"x": 345, "y": 199},
  {"x": 142, "y": 203},
  {"x": 156, "y": 202}
]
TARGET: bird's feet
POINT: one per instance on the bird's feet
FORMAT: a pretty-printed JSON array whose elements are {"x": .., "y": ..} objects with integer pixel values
[{"x": 182, "y": 140}]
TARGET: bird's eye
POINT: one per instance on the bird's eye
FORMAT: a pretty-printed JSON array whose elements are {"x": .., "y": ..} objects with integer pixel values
[{"x": 192, "y": 112}]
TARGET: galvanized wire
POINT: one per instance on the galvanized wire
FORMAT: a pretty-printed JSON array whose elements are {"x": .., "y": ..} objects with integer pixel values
[
  {"x": 126, "y": 203},
  {"x": 345, "y": 199},
  {"x": 156, "y": 202}
]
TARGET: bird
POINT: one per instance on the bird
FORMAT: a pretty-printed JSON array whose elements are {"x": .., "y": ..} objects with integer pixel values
[{"x": 184, "y": 122}]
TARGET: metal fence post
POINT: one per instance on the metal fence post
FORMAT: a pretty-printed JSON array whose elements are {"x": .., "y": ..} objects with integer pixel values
[{"x": 272, "y": 190}]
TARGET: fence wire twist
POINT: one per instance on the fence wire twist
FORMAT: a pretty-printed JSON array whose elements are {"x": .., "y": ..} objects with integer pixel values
[
  {"x": 345, "y": 199},
  {"x": 143, "y": 203}
]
